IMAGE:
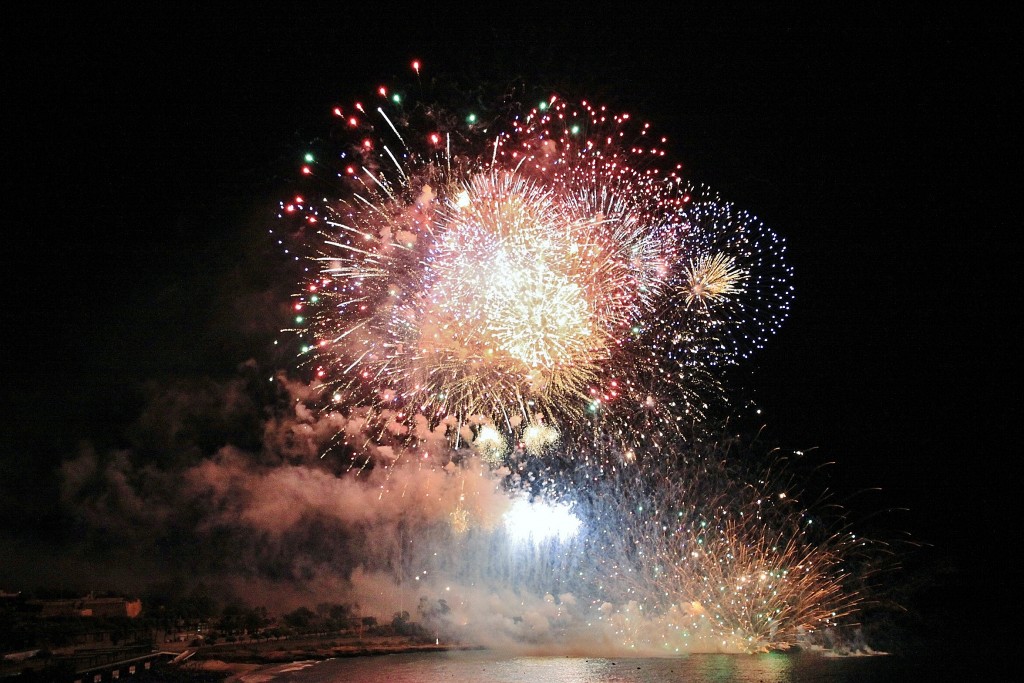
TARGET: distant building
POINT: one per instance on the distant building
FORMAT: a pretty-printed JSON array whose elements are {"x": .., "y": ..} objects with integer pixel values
[{"x": 88, "y": 607}]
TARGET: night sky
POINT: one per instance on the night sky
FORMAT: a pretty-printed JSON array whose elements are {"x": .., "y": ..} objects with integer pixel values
[{"x": 149, "y": 154}]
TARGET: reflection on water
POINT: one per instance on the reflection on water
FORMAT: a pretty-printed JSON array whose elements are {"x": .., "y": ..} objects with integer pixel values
[
  {"x": 492, "y": 667},
  {"x": 770, "y": 668}
]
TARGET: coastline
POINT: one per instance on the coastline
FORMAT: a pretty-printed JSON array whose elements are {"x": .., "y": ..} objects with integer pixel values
[{"x": 254, "y": 662}]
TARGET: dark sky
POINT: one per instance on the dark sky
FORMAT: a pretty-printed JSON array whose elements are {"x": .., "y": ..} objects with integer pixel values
[{"x": 150, "y": 152}]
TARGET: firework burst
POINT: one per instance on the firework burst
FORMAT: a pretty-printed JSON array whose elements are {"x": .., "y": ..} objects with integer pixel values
[
  {"x": 699, "y": 549},
  {"x": 541, "y": 272}
]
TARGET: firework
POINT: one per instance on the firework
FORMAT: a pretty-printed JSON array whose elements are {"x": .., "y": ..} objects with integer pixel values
[
  {"x": 542, "y": 275},
  {"x": 701, "y": 551},
  {"x": 719, "y": 557},
  {"x": 542, "y": 306}
]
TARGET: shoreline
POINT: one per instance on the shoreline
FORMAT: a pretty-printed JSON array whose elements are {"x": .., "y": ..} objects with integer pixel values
[{"x": 241, "y": 662}]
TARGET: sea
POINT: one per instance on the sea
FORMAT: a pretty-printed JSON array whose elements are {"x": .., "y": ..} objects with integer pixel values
[{"x": 493, "y": 667}]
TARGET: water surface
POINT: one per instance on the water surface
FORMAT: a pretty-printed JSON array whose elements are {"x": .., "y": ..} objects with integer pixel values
[{"x": 492, "y": 667}]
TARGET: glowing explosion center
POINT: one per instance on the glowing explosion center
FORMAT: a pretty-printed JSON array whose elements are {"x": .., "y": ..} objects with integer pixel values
[
  {"x": 506, "y": 247},
  {"x": 539, "y": 521}
]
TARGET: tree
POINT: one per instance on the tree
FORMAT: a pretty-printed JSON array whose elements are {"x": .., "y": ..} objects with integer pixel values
[
  {"x": 400, "y": 623},
  {"x": 255, "y": 619},
  {"x": 300, "y": 619}
]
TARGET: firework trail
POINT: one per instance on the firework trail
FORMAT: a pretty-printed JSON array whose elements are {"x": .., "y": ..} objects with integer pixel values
[{"x": 541, "y": 272}]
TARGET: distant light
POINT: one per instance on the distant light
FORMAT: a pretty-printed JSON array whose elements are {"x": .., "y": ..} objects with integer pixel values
[{"x": 471, "y": 118}]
